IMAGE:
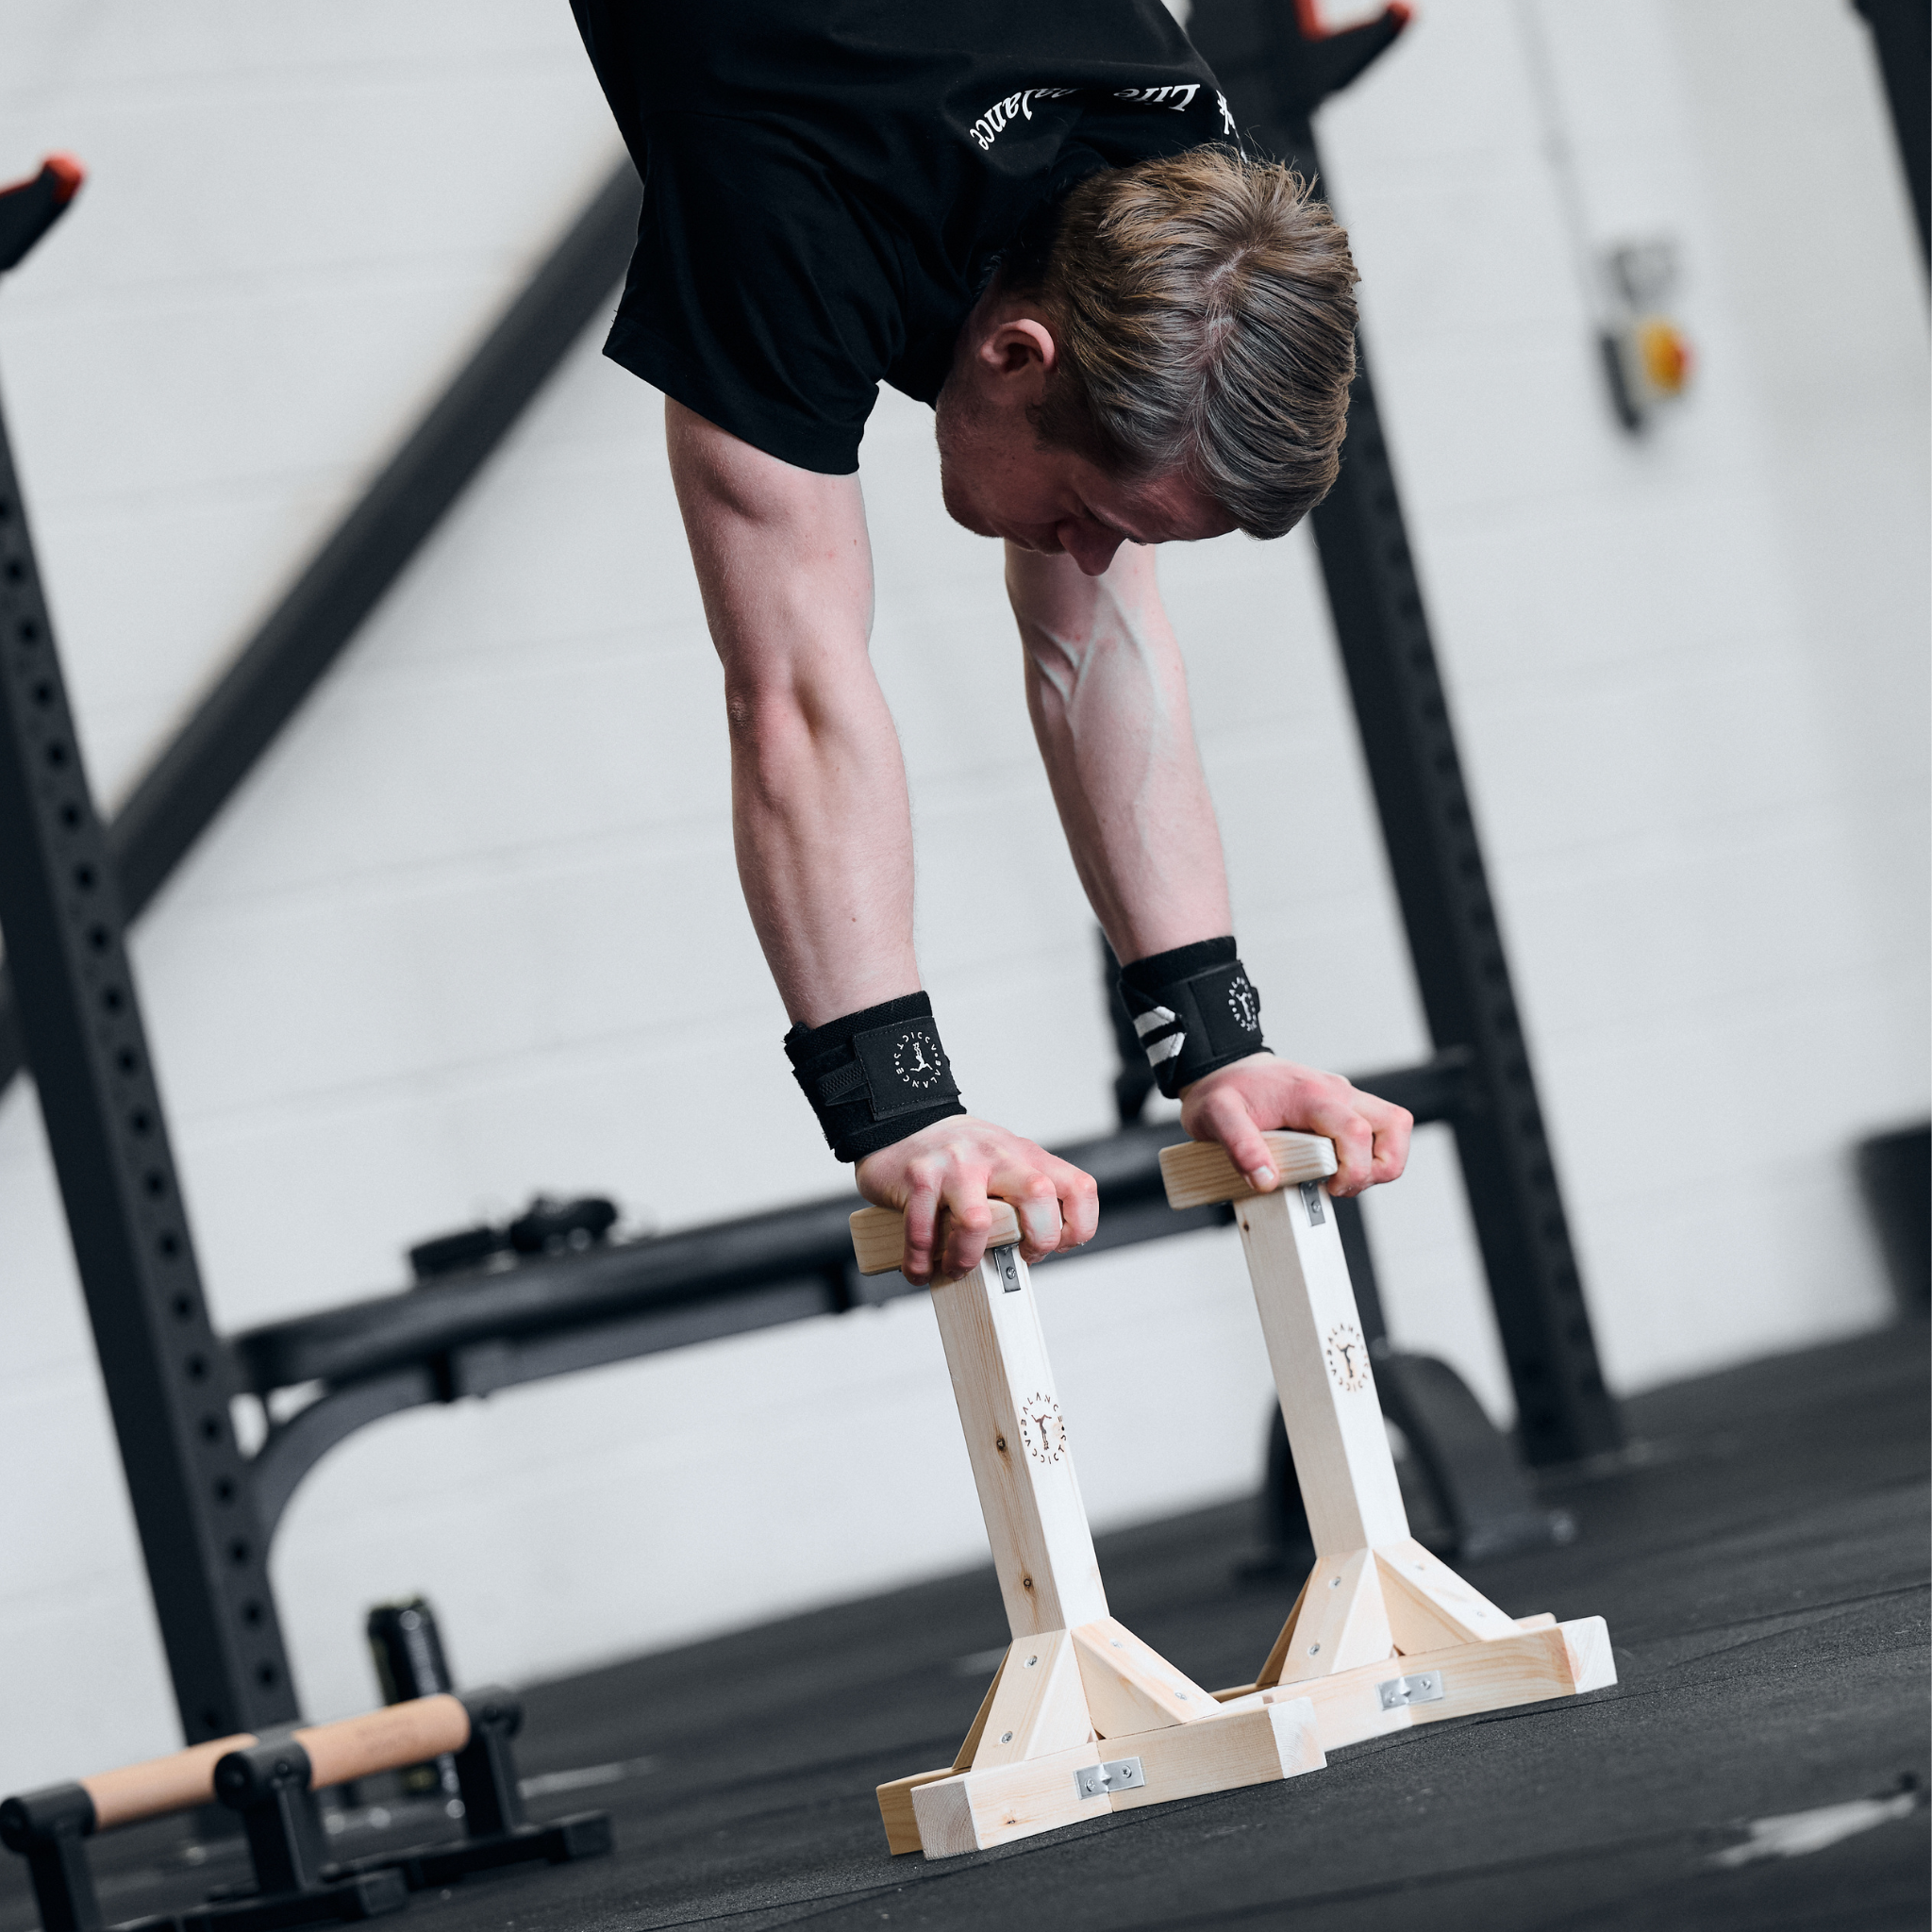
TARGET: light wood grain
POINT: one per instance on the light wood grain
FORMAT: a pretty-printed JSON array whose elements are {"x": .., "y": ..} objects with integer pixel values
[
  {"x": 1270, "y": 1671},
  {"x": 1020, "y": 1446},
  {"x": 896, "y": 1813},
  {"x": 1430, "y": 1606},
  {"x": 1256, "y": 1747},
  {"x": 159, "y": 1785},
  {"x": 409, "y": 1733},
  {"x": 1130, "y": 1686},
  {"x": 878, "y": 1234},
  {"x": 1340, "y": 1622},
  {"x": 1038, "y": 1708},
  {"x": 977, "y": 1808},
  {"x": 1198, "y": 1173},
  {"x": 977, "y": 1728},
  {"x": 1308, "y": 1312},
  {"x": 383, "y": 1740},
  {"x": 1526, "y": 1667}
]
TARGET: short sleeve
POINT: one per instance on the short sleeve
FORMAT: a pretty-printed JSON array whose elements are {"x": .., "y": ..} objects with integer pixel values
[{"x": 760, "y": 296}]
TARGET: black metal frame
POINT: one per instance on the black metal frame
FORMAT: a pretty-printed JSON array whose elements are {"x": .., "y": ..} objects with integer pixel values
[
  {"x": 160, "y": 1358},
  {"x": 197, "y": 772},
  {"x": 1902, "y": 38},
  {"x": 1276, "y": 75}
]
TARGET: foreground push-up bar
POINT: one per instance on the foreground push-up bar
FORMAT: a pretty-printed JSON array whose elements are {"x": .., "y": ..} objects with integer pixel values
[
  {"x": 1082, "y": 1717},
  {"x": 270, "y": 1780}
]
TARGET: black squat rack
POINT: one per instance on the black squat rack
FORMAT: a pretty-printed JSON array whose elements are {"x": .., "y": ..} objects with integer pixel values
[{"x": 205, "y": 1509}]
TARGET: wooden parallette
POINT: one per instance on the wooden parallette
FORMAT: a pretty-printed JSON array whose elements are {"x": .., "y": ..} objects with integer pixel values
[
  {"x": 1082, "y": 1717},
  {"x": 1384, "y": 1634}
]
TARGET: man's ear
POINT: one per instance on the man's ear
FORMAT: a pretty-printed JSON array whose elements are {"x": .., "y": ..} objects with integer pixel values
[{"x": 1019, "y": 352}]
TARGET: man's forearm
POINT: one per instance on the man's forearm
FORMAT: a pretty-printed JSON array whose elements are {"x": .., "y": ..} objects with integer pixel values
[
  {"x": 1108, "y": 696},
  {"x": 819, "y": 816},
  {"x": 823, "y": 837}
]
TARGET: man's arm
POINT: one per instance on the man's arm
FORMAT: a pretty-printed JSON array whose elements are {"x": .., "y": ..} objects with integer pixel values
[
  {"x": 819, "y": 817},
  {"x": 1108, "y": 696}
]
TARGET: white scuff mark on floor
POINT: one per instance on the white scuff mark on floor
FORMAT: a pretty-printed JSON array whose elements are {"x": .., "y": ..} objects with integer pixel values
[
  {"x": 583, "y": 1777},
  {"x": 1799, "y": 1833},
  {"x": 975, "y": 1663}
]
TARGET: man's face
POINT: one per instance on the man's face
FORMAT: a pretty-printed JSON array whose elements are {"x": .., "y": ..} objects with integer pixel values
[{"x": 998, "y": 481}]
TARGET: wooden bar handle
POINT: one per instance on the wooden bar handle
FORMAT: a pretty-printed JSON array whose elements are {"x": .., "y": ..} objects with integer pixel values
[
  {"x": 386, "y": 1739},
  {"x": 160, "y": 1785},
  {"x": 1198, "y": 1173},
  {"x": 878, "y": 1234}
]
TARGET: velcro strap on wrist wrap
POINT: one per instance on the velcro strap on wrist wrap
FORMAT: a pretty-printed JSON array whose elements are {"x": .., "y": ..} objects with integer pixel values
[
  {"x": 1194, "y": 1009},
  {"x": 875, "y": 1077}
]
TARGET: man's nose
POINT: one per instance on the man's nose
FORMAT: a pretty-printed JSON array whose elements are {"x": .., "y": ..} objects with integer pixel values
[{"x": 1091, "y": 549}]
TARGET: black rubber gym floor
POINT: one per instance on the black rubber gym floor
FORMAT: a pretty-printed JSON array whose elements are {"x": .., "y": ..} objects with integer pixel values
[{"x": 1762, "y": 1556}]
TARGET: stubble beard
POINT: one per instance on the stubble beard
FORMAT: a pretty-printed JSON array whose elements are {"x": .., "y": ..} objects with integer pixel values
[{"x": 952, "y": 426}]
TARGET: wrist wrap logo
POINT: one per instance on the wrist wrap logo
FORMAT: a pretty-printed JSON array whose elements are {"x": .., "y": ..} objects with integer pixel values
[
  {"x": 1244, "y": 1002},
  {"x": 905, "y": 1067}
]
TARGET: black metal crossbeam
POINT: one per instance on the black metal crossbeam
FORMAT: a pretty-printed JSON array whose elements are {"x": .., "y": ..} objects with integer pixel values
[
  {"x": 196, "y": 774},
  {"x": 497, "y": 1327}
]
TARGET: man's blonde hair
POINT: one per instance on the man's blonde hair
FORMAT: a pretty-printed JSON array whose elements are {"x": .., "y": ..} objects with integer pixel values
[{"x": 1203, "y": 306}]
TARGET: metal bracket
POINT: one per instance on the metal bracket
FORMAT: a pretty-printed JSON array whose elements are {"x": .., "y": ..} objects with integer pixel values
[
  {"x": 1006, "y": 1260},
  {"x": 1425, "y": 1687},
  {"x": 1121, "y": 1774}
]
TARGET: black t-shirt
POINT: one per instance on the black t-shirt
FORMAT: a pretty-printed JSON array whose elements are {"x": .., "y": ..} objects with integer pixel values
[{"x": 827, "y": 183}]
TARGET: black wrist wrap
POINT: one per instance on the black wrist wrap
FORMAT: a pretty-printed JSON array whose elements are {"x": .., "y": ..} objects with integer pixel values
[
  {"x": 1194, "y": 1009},
  {"x": 875, "y": 1077}
]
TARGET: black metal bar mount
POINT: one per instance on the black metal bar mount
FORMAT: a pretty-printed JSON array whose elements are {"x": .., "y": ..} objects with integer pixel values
[
  {"x": 1277, "y": 71},
  {"x": 1902, "y": 38},
  {"x": 161, "y": 1361}
]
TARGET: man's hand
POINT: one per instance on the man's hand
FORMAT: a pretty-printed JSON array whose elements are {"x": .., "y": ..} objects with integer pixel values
[
  {"x": 1236, "y": 1105},
  {"x": 953, "y": 1165}
]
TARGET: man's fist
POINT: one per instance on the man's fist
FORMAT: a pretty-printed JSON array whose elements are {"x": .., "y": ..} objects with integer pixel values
[
  {"x": 1236, "y": 1105},
  {"x": 953, "y": 1165}
]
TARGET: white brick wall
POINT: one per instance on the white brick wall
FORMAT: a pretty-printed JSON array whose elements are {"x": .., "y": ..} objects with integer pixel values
[{"x": 417, "y": 969}]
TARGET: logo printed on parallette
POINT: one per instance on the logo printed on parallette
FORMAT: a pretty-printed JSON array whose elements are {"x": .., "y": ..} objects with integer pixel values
[
  {"x": 918, "y": 1060},
  {"x": 1244, "y": 1002},
  {"x": 1043, "y": 1429},
  {"x": 1348, "y": 1358}
]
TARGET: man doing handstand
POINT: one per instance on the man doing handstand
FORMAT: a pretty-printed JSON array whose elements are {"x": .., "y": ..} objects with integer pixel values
[{"x": 1033, "y": 217}]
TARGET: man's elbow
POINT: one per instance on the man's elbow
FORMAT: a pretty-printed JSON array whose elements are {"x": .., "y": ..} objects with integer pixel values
[{"x": 782, "y": 732}]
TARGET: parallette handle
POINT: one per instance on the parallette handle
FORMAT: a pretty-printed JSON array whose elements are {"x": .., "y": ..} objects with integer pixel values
[
  {"x": 878, "y": 1234},
  {"x": 1198, "y": 1173},
  {"x": 386, "y": 1739},
  {"x": 160, "y": 1785}
]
